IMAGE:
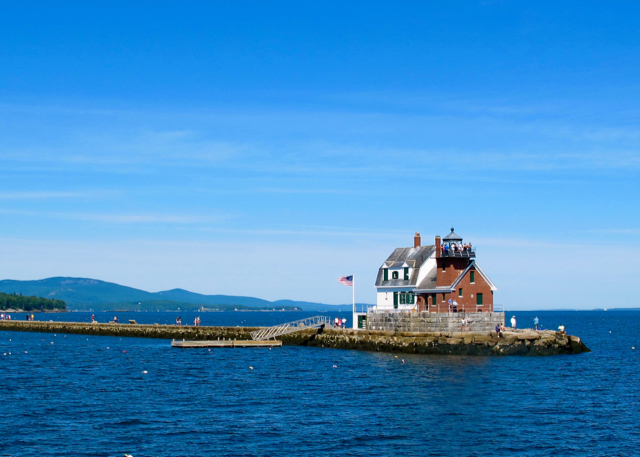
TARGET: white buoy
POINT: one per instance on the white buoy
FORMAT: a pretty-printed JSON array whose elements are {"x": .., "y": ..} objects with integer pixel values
[
  {"x": 144, "y": 372},
  {"x": 251, "y": 368},
  {"x": 335, "y": 366}
]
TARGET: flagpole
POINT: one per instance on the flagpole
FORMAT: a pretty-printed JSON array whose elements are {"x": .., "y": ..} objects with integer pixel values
[{"x": 353, "y": 316}]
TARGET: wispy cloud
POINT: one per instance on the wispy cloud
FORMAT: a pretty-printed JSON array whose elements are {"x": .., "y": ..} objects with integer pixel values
[
  {"x": 130, "y": 218},
  {"x": 38, "y": 195}
]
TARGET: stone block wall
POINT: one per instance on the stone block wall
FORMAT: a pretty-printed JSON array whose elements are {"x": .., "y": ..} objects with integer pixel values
[{"x": 432, "y": 322}]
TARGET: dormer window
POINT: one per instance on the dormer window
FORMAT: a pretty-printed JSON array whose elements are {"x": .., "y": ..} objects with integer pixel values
[{"x": 394, "y": 275}]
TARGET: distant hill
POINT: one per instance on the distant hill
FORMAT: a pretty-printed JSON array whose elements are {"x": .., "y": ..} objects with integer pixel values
[{"x": 85, "y": 293}]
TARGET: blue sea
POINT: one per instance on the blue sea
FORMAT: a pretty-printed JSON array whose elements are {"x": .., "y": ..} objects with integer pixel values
[{"x": 74, "y": 395}]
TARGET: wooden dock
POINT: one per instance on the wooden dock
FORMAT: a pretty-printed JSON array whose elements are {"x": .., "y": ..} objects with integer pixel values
[{"x": 225, "y": 344}]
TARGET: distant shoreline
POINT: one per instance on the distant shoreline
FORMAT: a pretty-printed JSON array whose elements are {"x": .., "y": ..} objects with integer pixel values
[{"x": 33, "y": 311}]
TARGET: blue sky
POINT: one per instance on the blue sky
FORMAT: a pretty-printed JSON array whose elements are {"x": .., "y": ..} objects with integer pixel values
[{"x": 266, "y": 149}]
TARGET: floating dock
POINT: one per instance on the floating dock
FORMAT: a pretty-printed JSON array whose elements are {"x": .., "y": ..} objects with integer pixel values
[{"x": 225, "y": 344}]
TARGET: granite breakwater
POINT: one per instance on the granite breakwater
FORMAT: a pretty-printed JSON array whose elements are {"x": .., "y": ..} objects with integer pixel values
[{"x": 521, "y": 342}]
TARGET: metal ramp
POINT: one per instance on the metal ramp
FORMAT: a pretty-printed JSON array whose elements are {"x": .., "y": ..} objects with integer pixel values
[{"x": 290, "y": 327}]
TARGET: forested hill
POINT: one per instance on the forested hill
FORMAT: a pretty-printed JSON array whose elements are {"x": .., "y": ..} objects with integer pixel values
[
  {"x": 85, "y": 293},
  {"x": 20, "y": 302}
]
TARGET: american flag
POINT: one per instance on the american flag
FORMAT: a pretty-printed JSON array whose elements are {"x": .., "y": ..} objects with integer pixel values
[{"x": 346, "y": 280}]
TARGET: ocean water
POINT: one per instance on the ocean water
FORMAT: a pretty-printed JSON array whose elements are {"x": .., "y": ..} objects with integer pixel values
[{"x": 74, "y": 395}]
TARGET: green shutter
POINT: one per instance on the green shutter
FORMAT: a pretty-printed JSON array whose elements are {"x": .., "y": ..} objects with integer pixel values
[
  {"x": 478, "y": 299},
  {"x": 472, "y": 276},
  {"x": 459, "y": 292},
  {"x": 386, "y": 274},
  {"x": 395, "y": 300},
  {"x": 406, "y": 274}
]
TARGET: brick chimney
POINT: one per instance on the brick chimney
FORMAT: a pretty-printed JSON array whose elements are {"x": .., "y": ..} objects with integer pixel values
[
  {"x": 438, "y": 247},
  {"x": 416, "y": 240}
]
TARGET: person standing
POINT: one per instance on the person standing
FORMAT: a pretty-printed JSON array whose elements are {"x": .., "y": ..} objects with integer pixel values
[
  {"x": 93, "y": 318},
  {"x": 535, "y": 322},
  {"x": 513, "y": 322}
]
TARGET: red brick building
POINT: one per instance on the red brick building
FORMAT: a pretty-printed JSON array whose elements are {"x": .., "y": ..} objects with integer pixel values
[{"x": 439, "y": 278}]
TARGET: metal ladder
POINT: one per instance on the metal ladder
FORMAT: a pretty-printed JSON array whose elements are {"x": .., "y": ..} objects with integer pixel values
[{"x": 290, "y": 327}]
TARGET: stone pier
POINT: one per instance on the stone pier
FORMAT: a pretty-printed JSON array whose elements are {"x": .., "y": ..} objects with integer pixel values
[{"x": 521, "y": 342}]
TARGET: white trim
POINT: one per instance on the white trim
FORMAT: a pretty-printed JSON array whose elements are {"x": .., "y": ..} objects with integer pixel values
[{"x": 479, "y": 270}]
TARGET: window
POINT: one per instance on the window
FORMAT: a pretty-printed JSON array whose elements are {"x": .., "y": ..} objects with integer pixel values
[
  {"x": 459, "y": 292},
  {"x": 394, "y": 275},
  {"x": 386, "y": 274},
  {"x": 472, "y": 277},
  {"x": 407, "y": 298},
  {"x": 444, "y": 298},
  {"x": 406, "y": 274},
  {"x": 444, "y": 267}
]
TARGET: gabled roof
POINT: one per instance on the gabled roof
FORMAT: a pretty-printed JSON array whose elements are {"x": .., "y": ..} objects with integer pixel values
[
  {"x": 429, "y": 285},
  {"x": 429, "y": 281},
  {"x": 403, "y": 258}
]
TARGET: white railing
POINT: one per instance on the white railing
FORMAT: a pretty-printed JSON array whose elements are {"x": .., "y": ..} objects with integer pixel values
[
  {"x": 432, "y": 309},
  {"x": 364, "y": 309}
]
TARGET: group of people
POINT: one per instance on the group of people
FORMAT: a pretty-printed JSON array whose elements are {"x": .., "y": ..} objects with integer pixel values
[
  {"x": 5, "y": 317},
  {"x": 340, "y": 323},
  {"x": 536, "y": 324},
  {"x": 196, "y": 321},
  {"x": 466, "y": 325},
  {"x": 457, "y": 247},
  {"x": 31, "y": 317}
]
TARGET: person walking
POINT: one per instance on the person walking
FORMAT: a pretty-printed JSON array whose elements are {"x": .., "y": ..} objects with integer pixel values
[
  {"x": 513, "y": 322},
  {"x": 535, "y": 322}
]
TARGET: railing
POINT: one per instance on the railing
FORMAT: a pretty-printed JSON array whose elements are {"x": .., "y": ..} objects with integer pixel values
[
  {"x": 364, "y": 309},
  {"x": 466, "y": 253},
  {"x": 290, "y": 327},
  {"x": 469, "y": 309},
  {"x": 361, "y": 308}
]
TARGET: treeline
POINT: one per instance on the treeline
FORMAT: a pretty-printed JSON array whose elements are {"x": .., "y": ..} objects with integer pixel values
[{"x": 13, "y": 301}]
